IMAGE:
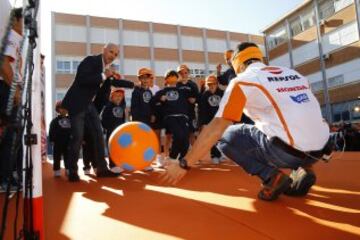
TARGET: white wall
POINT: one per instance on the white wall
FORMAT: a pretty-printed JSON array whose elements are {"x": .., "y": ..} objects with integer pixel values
[
  {"x": 306, "y": 52},
  {"x": 283, "y": 60}
]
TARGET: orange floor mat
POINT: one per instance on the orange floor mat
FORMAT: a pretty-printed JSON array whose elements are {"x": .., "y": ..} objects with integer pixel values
[{"x": 212, "y": 202}]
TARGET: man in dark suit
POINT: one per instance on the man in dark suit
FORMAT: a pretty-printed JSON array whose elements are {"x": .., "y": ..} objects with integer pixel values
[
  {"x": 91, "y": 74},
  {"x": 229, "y": 74}
]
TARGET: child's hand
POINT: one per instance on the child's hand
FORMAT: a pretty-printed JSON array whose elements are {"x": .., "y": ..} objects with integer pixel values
[
  {"x": 163, "y": 98},
  {"x": 152, "y": 119},
  {"x": 192, "y": 100}
]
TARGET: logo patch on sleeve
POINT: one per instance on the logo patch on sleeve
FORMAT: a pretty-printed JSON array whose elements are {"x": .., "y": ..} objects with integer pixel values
[{"x": 301, "y": 98}]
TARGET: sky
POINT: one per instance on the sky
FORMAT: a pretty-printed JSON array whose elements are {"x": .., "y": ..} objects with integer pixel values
[{"x": 246, "y": 16}]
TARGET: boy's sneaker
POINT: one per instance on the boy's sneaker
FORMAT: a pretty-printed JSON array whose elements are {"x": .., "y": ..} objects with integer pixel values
[
  {"x": 116, "y": 169},
  {"x": 276, "y": 185},
  {"x": 13, "y": 186},
  {"x": 57, "y": 173},
  {"x": 87, "y": 171},
  {"x": 302, "y": 181}
]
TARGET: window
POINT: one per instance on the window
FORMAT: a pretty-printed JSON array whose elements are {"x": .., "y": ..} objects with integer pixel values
[
  {"x": 70, "y": 33},
  {"x": 304, "y": 21},
  {"x": 308, "y": 19},
  {"x": 67, "y": 64},
  {"x": 60, "y": 94},
  {"x": 296, "y": 27},
  {"x": 328, "y": 8},
  {"x": 336, "y": 81},
  {"x": 198, "y": 73},
  {"x": 131, "y": 66},
  {"x": 75, "y": 65},
  {"x": 216, "y": 45},
  {"x": 63, "y": 66},
  {"x": 162, "y": 66},
  {"x": 277, "y": 37},
  {"x": 165, "y": 40},
  {"x": 317, "y": 86},
  {"x": 104, "y": 35},
  {"x": 136, "y": 38},
  {"x": 192, "y": 43}
]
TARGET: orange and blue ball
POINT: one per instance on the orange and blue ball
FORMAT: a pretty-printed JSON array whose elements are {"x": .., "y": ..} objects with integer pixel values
[{"x": 133, "y": 146}]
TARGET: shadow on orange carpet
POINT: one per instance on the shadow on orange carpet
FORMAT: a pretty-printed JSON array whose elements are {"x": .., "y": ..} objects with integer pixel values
[{"x": 212, "y": 202}]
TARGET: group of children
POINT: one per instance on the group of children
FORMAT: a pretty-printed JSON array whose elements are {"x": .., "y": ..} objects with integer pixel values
[{"x": 179, "y": 108}]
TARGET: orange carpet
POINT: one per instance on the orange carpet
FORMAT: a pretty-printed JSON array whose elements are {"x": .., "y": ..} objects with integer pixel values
[{"x": 212, "y": 202}]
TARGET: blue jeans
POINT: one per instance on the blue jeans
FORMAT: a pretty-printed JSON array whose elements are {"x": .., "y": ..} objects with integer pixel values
[{"x": 249, "y": 148}]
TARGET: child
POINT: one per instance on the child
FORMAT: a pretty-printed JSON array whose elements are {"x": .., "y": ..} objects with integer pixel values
[
  {"x": 113, "y": 116},
  {"x": 59, "y": 135},
  {"x": 208, "y": 106},
  {"x": 174, "y": 106},
  {"x": 141, "y": 110},
  {"x": 187, "y": 84}
]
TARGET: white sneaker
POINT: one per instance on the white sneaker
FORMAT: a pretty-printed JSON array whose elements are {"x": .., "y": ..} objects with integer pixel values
[
  {"x": 160, "y": 161},
  {"x": 57, "y": 173},
  {"x": 116, "y": 169},
  {"x": 215, "y": 160}
]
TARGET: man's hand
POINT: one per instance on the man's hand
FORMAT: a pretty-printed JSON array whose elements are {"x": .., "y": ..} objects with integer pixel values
[
  {"x": 137, "y": 83},
  {"x": 173, "y": 174},
  {"x": 163, "y": 98},
  {"x": 108, "y": 73},
  {"x": 152, "y": 119}
]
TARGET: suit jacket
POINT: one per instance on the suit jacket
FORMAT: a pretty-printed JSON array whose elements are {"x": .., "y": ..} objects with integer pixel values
[{"x": 86, "y": 85}]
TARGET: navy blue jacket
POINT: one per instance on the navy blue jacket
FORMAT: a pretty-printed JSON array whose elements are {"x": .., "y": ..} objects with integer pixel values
[
  {"x": 209, "y": 105},
  {"x": 141, "y": 109}
]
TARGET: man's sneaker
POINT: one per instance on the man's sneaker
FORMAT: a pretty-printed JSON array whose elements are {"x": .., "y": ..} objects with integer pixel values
[
  {"x": 73, "y": 177},
  {"x": 57, "y": 173},
  {"x": 215, "y": 160},
  {"x": 116, "y": 169},
  {"x": 302, "y": 181},
  {"x": 276, "y": 185},
  {"x": 106, "y": 173}
]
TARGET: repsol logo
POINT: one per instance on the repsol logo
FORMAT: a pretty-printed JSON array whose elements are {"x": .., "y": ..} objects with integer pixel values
[{"x": 283, "y": 78}]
